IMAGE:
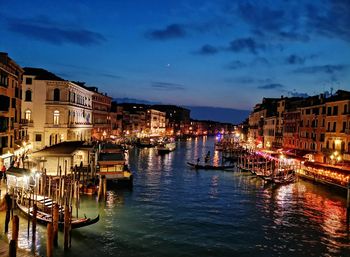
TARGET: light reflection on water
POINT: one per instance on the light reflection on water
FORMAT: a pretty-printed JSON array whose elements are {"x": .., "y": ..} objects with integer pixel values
[{"x": 176, "y": 211}]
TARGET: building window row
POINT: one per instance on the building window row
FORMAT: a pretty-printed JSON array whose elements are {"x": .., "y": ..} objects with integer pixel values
[{"x": 4, "y": 80}]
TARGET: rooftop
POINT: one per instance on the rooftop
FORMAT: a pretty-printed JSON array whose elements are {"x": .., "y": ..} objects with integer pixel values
[
  {"x": 111, "y": 157},
  {"x": 41, "y": 74},
  {"x": 64, "y": 148}
]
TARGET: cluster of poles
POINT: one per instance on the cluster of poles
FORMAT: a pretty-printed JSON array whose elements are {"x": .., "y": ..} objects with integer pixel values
[
  {"x": 264, "y": 165},
  {"x": 54, "y": 195}
]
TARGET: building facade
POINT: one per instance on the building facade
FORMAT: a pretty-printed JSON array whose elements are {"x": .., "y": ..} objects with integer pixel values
[
  {"x": 12, "y": 132},
  {"x": 55, "y": 110},
  {"x": 177, "y": 119},
  {"x": 317, "y": 125},
  {"x": 101, "y": 117},
  {"x": 155, "y": 122}
]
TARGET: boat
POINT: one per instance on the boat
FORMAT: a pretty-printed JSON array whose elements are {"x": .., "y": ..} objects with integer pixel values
[
  {"x": 112, "y": 164},
  {"x": 166, "y": 147},
  {"x": 145, "y": 142},
  {"x": 283, "y": 180},
  {"x": 210, "y": 167},
  {"x": 44, "y": 217}
]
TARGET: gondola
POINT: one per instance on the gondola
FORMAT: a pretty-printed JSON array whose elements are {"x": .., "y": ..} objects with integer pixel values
[
  {"x": 45, "y": 218},
  {"x": 209, "y": 167}
]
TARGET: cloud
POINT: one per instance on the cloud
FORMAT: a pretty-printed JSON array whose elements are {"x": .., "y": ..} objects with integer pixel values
[
  {"x": 107, "y": 75},
  {"x": 328, "y": 69},
  {"x": 248, "y": 80},
  {"x": 271, "y": 86},
  {"x": 235, "y": 65},
  {"x": 207, "y": 50},
  {"x": 248, "y": 44},
  {"x": 43, "y": 29},
  {"x": 273, "y": 22},
  {"x": 295, "y": 21},
  {"x": 295, "y": 59},
  {"x": 294, "y": 93},
  {"x": 170, "y": 32},
  {"x": 330, "y": 20},
  {"x": 260, "y": 61},
  {"x": 167, "y": 86}
]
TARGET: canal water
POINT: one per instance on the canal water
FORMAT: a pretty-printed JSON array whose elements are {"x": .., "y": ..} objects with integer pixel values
[{"x": 175, "y": 211}]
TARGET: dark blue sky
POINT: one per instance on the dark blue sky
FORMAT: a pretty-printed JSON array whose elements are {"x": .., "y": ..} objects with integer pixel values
[{"x": 206, "y": 53}]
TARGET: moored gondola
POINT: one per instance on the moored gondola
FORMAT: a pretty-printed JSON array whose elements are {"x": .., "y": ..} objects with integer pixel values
[{"x": 210, "y": 167}]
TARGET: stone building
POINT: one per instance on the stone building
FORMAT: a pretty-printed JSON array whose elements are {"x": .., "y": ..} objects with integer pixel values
[
  {"x": 155, "y": 122},
  {"x": 12, "y": 132},
  {"x": 177, "y": 118},
  {"x": 101, "y": 117},
  {"x": 55, "y": 109}
]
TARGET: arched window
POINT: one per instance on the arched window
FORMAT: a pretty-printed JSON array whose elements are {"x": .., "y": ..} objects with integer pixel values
[
  {"x": 56, "y": 94},
  {"x": 28, "y": 96},
  {"x": 28, "y": 115},
  {"x": 56, "y": 117}
]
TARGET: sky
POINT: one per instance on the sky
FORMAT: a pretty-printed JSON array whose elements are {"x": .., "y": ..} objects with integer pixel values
[{"x": 220, "y": 53}]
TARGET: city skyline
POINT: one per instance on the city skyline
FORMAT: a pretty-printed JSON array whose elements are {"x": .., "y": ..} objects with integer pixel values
[{"x": 211, "y": 53}]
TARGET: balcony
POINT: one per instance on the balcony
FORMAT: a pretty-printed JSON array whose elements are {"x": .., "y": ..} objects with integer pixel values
[{"x": 29, "y": 123}]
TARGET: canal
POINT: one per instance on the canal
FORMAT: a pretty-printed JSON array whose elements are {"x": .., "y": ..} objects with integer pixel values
[{"x": 175, "y": 211}]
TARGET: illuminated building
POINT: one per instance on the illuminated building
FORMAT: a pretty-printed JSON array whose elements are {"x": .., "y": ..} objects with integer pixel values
[
  {"x": 12, "y": 132},
  {"x": 155, "y": 122},
  {"x": 177, "y": 118},
  {"x": 56, "y": 110},
  {"x": 261, "y": 111},
  {"x": 337, "y": 125},
  {"x": 101, "y": 118},
  {"x": 116, "y": 115},
  {"x": 318, "y": 125}
]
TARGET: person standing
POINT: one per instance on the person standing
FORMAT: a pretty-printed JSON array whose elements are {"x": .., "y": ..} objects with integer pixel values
[{"x": 3, "y": 172}]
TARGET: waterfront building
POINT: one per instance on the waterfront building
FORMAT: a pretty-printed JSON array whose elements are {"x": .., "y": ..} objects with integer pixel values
[
  {"x": 133, "y": 119},
  {"x": 316, "y": 125},
  {"x": 116, "y": 115},
  {"x": 155, "y": 122},
  {"x": 101, "y": 117},
  {"x": 177, "y": 118},
  {"x": 12, "y": 131},
  {"x": 64, "y": 155},
  {"x": 56, "y": 110},
  {"x": 337, "y": 127},
  {"x": 312, "y": 126},
  {"x": 267, "y": 108},
  {"x": 269, "y": 129}
]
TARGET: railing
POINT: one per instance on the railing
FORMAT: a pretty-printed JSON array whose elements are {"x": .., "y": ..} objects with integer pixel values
[{"x": 26, "y": 122}]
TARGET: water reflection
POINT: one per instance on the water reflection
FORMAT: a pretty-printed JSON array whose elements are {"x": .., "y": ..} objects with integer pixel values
[{"x": 174, "y": 211}]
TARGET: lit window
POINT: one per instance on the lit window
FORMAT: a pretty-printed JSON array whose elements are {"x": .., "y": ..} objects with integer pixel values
[
  {"x": 28, "y": 115},
  {"x": 56, "y": 117}
]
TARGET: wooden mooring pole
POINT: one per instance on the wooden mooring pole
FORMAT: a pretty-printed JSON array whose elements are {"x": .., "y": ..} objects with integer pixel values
[
  {"x": 55, "y": 224},
  {"x": 35, "y": 212},
  {"x": 8, "y": 210},
  {"x": 49, "y": 240},
  {"x": 14, "y": 240},
  {"x": 348, "y": 206},
  {"x": 66, "y": 231}
]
